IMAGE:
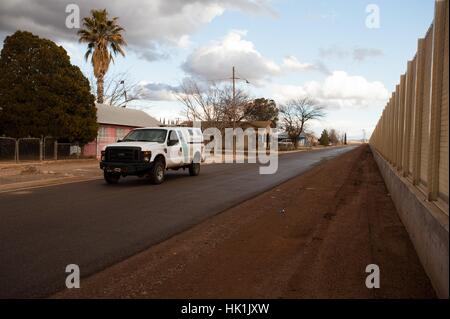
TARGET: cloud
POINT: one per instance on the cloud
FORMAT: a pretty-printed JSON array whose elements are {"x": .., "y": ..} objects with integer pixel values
[
  {"x": 361, "y": 54},
  {"x": 149, "y": 25},
  {"x": 338, "y": 90},
  {"x": 213, "y": 61},
  {"x": 157, "y": 91},
  {"x": 292, "y": 64},
  {"x": 357, "y": 54}
]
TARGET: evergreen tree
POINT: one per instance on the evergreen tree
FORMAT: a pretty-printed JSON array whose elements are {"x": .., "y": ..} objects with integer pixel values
[
  {"x": 42, "y": 93},
  {"x": 324, "y": 138}
]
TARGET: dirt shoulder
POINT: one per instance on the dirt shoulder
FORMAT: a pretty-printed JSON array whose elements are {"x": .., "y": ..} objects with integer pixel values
[
  {"x": 15, "y": 176},
  {"x": 311, "y": 237}
]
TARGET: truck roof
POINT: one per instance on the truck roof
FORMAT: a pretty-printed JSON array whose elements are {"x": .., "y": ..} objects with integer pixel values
[{"x": 167, "y": 128}]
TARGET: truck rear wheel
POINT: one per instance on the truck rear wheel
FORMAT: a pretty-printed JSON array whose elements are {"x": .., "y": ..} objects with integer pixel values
[
  {"x": 111, "y": 178},
  {"x": 157, "y": 173},
  {"x": 194, "y": 169}
]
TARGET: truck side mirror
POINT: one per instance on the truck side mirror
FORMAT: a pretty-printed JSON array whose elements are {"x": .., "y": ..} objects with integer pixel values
[{"x": 119, "y": 141}]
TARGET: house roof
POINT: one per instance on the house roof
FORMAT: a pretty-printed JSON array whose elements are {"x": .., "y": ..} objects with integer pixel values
[
  {"x": 107, "y": 114},
  {"x": 243, "y": 124},
  {"x": 261, "y": 124}
]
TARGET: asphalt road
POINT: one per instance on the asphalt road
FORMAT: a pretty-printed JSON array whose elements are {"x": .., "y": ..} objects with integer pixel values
[{"x": 95, "y": 225}]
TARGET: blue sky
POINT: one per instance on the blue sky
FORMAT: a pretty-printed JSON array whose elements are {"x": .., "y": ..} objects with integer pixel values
[{"x": 288, "y": 48}]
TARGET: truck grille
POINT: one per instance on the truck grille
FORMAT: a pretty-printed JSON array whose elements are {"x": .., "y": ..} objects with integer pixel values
[{"x": 123, "y": 154}]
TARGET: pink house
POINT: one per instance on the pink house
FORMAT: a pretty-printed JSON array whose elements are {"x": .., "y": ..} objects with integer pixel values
[{"x": 114, "y": 123}]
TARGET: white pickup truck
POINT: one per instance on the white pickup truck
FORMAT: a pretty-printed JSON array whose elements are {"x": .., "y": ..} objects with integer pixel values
[{"x": 149, "y": 152}]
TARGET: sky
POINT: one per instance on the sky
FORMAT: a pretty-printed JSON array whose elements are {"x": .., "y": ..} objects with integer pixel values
[{"x": 333, "y": 51}]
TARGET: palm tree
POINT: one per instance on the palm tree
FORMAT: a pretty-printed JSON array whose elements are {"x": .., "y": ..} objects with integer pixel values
[{"x": 104, "y": 39}]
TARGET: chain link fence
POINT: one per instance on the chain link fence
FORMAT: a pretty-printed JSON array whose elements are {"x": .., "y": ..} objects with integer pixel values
[
  {"x": 37, "y": 149},
  {"x": 8, "y": 148}
]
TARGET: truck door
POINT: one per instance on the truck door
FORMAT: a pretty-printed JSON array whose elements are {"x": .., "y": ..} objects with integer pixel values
[
  {"x": 185, "y": 147},
  {"x": 174, "y": 150}
]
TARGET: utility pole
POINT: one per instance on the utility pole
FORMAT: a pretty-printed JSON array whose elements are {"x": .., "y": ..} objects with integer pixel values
[
  {"x": 234, "y": 78},
  {"x": 234, "y": 97},
  {"x": 124, "y": 92}
]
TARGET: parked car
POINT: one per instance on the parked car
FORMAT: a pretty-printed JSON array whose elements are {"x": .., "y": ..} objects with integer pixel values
[{"x": 149, "y": 152}]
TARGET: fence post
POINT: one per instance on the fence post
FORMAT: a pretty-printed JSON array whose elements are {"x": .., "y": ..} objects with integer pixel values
[
  {"x": 55, "y": 150},
  {"x": 40, "y": 149},
  {"x": 409, "y": 111},
  {"x": 436, "y": 98},
  {"x": 401, "y": 128},
  {"x": 391, "y": 129},
  {"x": 396, "y": 122},
  {"x": 418, "y": 111},
  {"x": 16, "y": 149}
]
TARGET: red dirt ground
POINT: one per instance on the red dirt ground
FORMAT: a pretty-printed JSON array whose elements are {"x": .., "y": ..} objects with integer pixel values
[{"x": 338, "y": 218}]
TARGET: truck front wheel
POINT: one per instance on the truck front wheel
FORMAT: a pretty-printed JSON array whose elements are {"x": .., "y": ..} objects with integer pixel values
[
  {"x": 111, "y": 178},
  {"x": 157, "y": 173}
]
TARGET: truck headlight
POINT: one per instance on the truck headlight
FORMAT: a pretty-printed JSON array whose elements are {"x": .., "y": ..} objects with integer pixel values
[
  {"x": 103, "y": 157},
  {"x": 147, "y": 156}
]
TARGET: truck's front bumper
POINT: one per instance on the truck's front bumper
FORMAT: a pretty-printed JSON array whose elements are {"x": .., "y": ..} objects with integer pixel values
[{"x": 126, "y": 168}]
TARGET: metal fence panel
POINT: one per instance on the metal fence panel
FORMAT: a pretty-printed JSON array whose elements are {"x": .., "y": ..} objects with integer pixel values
[
  {"x": 49, "y": 149},
  {"x": 29, "y": 149},
  {"x": 7, "y": 149},
  {"x": 68, "y": 151}
]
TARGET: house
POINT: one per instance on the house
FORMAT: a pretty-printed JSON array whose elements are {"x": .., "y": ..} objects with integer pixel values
[
  {"x": 114, "y": 123},
  {"x": 305, "y": 139}
]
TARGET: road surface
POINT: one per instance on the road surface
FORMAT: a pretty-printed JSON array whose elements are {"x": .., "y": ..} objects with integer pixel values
[{"x": 95, "y": 225}]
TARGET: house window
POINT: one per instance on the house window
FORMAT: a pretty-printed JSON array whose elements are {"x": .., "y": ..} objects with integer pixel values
[
  {"x": 102, "y": 133},
  {"x": 120, "y": 133}
]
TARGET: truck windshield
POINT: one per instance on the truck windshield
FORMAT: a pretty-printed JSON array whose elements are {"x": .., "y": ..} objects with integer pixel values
[{"x": 153, "y": 135}]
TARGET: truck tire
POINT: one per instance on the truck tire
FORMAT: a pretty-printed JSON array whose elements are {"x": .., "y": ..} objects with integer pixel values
[
  {"x": 157, "y": 173},
  {"x": 194, "y": 169},
  {"x": 111, "y": 178}
]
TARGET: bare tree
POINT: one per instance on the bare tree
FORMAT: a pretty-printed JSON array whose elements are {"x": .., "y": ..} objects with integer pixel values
[
  {"x": 215, "y": 105},
  {"x": 296, "y": 113},
  {"x": 233, "y": 107},
  {"x": 199, "y": 105},
  {"x": 119, "y": 89},
  {"x": 333, "y": 136}
]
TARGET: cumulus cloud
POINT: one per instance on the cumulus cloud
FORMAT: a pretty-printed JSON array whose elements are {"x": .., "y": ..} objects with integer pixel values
[
  {"x": 149, "y": 24},
  {"x": 357, "y": 54},
  {"x": 213, "y": 61},
  {"x": 338, "y": 90}
]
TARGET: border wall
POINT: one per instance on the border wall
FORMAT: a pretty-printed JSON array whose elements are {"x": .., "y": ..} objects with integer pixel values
[{"x": 410, "y": 144}]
